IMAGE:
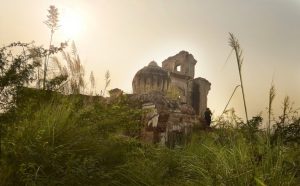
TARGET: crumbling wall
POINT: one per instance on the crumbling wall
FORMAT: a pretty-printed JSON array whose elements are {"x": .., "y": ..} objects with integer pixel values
[
  {"x": 201, "y": 89},
  {"x": 166, "y": 122},
  {"x": 184, "y": 60}
]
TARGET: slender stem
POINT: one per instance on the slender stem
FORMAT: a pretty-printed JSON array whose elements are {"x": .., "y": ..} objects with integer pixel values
[
  {"x": 240, "y": 74},
  {"x": 230, "y": 99},
  {"x": 0, "y": 140},
  {"x": 269, "y": 113},
  {"x": 38, "y": 77},
  {"x": 271, "y": 98},
  {"x": 47, "y": 60}
]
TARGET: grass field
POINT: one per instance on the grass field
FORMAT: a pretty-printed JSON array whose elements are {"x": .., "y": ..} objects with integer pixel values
[{"x": 57, "y": 140}]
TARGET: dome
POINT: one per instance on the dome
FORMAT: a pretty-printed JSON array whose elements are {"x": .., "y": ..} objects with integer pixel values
[
  {"x": 152, "y": 64},
  {"x": 150, "y": 78}
]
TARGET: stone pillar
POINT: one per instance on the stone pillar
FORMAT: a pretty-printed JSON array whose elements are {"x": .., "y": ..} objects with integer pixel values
[
  {"x": 189, "y": 93},
  {"x": 200, "y": 92}
]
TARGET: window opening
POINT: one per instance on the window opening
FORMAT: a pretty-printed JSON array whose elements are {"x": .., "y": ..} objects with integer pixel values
[{"x": 178, "y": 68}]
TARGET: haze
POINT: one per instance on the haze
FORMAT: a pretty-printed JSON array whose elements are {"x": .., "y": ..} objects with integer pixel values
[{"x": 123, "y": 36}]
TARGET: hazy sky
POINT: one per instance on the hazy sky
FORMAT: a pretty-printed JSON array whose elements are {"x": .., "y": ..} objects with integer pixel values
[{"x": 123, "y": 36}]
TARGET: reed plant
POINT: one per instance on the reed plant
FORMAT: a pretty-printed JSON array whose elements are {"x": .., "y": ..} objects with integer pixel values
[
  {"x": 234, "y": 43},
  {"x": 272, "y": 94},
  {"x": 52, "y": 24}
]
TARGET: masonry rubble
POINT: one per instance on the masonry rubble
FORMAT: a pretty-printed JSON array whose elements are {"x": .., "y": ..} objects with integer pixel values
[{"x": 165, "y": 120}]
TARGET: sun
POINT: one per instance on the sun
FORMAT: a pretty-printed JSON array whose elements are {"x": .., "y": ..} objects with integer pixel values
[{"x": 71, "y": 23}]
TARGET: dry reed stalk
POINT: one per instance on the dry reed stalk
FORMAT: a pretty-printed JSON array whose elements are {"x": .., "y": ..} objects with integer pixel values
[
  {"x": 286, "y": 106},
  {"x": 272, "y": 94},
  {"x": 234, "y": 43},
  {"x": 52, "y": 23}
]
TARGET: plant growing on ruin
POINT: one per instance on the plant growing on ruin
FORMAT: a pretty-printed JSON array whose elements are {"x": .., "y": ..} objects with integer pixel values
[{"x": 173, "y": 93}]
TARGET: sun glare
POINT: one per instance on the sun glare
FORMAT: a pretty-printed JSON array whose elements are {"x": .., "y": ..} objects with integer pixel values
[{"x": 72, "y": 24}]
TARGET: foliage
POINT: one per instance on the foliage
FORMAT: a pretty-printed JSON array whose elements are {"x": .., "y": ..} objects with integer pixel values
[
  {"x": 15, "y": 71},
  {"x": 56, "y": 82},
  {"x": 173, "y": 93},
  {"x": 287, "y": 127},
  {"x": 252, "y": 130},
  {"x": 52, "y": 139},
  {"x": 17, "y": 66},
  {"x": 288, "y": 133},
  {"x": 228, "y": 119}
]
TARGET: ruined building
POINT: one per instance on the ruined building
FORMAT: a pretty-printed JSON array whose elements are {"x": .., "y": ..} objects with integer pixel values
[
  {"x": 182, "y": 99},
  {"x": 177, "y": 75}
]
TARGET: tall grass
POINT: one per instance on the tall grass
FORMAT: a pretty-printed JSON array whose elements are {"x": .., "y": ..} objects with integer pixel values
[
  {"x": 272, "y": 94},
  {"x": 64, "y": 140},
  {"x": 234, "y": 43},
  {"x": 71, "y": 140},
  {"x": 285, "y": 110},
  {"x": 52, "y": 24}
]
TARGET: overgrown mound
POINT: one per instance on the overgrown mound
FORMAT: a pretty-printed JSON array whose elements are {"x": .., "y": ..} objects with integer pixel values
[{"x": 51, "y": 139}]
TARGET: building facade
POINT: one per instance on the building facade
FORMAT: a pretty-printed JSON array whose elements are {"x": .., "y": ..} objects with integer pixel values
[{"x": 175, "y": 77}]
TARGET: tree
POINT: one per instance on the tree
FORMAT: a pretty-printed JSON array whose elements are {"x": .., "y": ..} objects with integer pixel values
[{"x": 17, "y": 69}]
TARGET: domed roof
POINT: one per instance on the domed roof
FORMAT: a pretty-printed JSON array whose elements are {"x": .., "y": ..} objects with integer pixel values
[
  {"x": 152, "y": 70},
  {"x": 153, "y": 64}
]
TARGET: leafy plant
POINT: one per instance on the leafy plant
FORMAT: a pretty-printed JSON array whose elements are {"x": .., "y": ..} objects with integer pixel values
[{"x": 17, "y": 66}]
